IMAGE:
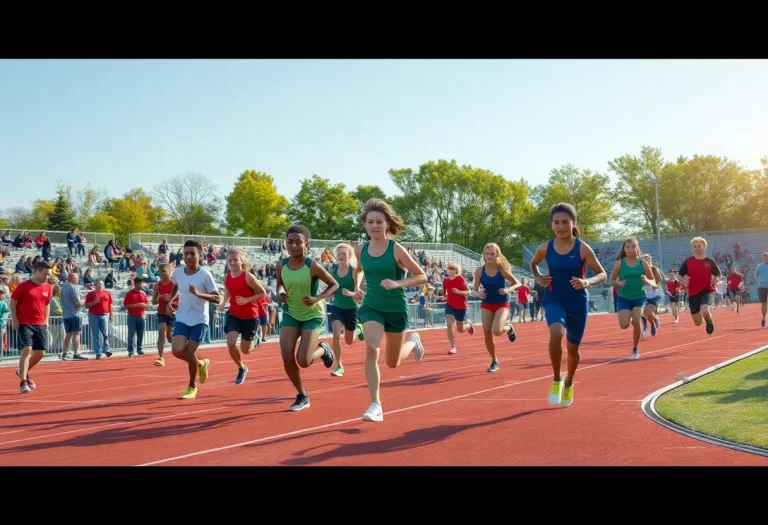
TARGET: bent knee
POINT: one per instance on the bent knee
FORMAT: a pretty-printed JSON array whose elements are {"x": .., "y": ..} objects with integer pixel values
[{"x": 303, "y": 362}]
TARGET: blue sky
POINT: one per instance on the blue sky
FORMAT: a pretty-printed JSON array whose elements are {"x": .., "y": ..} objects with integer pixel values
[{"x": 120, "y": 124}]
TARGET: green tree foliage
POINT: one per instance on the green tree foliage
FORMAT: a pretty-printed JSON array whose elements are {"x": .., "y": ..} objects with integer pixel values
[
  {"x": 255, "y": 208},
  {"x": 634, "y": 191},
  {"x": 327, "y": 209},
  {"x": 62, "y": 218},
  {"x": 133, "y": 212},
  {"x": 191, "y": 202}
]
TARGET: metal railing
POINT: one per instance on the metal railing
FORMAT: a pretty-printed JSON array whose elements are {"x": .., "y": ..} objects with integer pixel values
[
  {"x": 143, "y": 241},
  {"x": 56, "y": 237},
  {"x": 117, "y": 329}
]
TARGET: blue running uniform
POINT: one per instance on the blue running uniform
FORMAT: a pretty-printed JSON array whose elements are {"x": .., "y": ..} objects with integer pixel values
[{"x": 563, "y": 303}]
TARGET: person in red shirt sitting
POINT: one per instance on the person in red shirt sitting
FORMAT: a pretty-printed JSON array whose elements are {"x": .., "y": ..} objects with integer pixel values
[
  {"x": 99, "y": 304},
  {"x": 700, "y": 274},
  {"x": 30, "y": 310},
  {"x": 136, "y": 302},
  {"x": 455, "y": 291},
  {"x": 735, "y": 286}
]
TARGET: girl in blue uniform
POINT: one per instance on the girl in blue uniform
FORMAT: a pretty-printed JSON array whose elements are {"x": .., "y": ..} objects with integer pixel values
[{"x": 566, "y": 302}]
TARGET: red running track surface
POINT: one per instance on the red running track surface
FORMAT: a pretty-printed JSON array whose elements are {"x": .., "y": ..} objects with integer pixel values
[{"x": 445, "y": 410}]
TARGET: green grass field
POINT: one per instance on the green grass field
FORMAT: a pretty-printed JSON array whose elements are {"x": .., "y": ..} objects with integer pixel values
[{"x": 730, "y": 404}]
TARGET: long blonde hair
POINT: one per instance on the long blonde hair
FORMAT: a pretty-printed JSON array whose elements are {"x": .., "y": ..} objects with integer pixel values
[
  {"x": 501, "y": 261},
  {"x": 351, "y": 259},
  {"x": 245, "y": 265}
]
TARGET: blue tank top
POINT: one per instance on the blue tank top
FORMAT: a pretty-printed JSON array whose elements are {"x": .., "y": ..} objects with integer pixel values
[
  {"x": 492, "y": 285},
  {"x": 563, "y": 268}
]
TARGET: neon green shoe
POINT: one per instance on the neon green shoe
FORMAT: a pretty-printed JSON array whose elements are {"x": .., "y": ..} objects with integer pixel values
[
  {"x": 190, "y": 393},
  {"x": 360, "y": 334},
  {"x": 567, "y": 396},
  {"x": 338, "y": 372},
  {"x": 203, "y": 370},
  {"x": 556, "y": 393}
]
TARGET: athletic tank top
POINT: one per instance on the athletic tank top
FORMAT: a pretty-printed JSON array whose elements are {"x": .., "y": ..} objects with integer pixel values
[
  {"x": 635, "y": 288},
  {"x": 491, "y": 286},
  {"x": 378, "y": 269},
  {"x": 162, "y": 303},
  {"x": 238, "y": 286},
  {"x": 563, "y": 268},
  {"x": 345, "y": 283},
  {"x": 299, "y": 283}
]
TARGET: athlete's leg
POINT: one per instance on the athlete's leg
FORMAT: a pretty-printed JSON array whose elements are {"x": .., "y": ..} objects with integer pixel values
[
  {"x": 288, "y": 337},
  {"x": 450, "y": 320}
]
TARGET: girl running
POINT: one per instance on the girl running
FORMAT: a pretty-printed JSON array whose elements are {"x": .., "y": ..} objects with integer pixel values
[
  {"x": 494, "y": 308},
  {"x": 630, "y": 275},
  {"x": 700, "y": 274},
  {"x": 384, "y": 312},
  {"x": 653, "y": 296},
  {"x": 298, "y": 279},
  {"x": 245, "y": 294},
  {"x": 455, "y": 292},
  {"x": 161, "y": 292},
  {"x": 344, "y": 316},
  {"x": 566, "y": 302}
]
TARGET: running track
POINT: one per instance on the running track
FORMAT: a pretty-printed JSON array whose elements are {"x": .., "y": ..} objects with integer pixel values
[{"x": 446, "y": 410}]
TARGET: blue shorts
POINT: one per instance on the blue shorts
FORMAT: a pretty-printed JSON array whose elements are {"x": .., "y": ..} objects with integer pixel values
[
  {"x": 630, "y": 304},
  {"x": 195, "y": 333},
  {"x": 572, "y": 315},
  {"x": 653, "y": 301},
  {"x": 458, "y": 314},
  {"x": 73, "y": 324}
]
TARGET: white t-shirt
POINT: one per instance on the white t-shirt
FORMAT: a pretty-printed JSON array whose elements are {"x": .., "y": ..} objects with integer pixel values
[{"x": 192, "y": 310}]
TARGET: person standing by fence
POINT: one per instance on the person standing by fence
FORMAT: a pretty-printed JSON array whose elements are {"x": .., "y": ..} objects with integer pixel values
[{"x": 99, "y": 304}]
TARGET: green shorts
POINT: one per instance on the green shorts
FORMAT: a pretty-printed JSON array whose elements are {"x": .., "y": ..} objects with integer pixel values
[
  {"x": 312, "y": 324},
  {"x": 393, "y": 322}
]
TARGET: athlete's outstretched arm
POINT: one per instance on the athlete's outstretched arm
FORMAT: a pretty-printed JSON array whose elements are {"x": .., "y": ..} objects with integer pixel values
[{"x": 588, "y": 256}]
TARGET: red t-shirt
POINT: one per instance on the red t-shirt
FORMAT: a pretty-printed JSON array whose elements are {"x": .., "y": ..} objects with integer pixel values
[
  {"x": 238, "y": 287},
  {"x": 31, "y": 300},
  {"x": 105, "y": 302},
  {"x": 454, "y": 300},
  {"x": 734, "y": 281},
  {"x": 261, "y": 306},
  {"x": 135, "y": 297},
  {"x": 672, "y": 286},
  {"x": 162, "y": 302},
  {"x": 523, "y": 292},
  {"x": 700, "y": 273}
]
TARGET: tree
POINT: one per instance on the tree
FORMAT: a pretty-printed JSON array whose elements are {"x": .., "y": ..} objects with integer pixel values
[
  {"x": 63, "y": 217},
  {"x": 35, "y": 218},
  {"x": 363, "y": 192},
  {"x": 326, "y": 209},
  {"x": 134, "y": 212},
  {"x": 635, "y": 192},
  {"x": 190, "y": 202},
  {"x": 255, "y": 208},
  {"x": 87, "y": 203}
]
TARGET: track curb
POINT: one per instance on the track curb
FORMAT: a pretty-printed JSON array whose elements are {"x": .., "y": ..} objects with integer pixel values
[{"x": 648, "y": 406}]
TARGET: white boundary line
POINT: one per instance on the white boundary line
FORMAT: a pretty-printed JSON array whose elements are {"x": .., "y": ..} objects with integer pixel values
[{"x": 648, "y": 406}]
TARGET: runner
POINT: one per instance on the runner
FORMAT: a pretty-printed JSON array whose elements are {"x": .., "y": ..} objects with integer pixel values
[
  {"x": 244, "y": 293},
  {"x": 495, "y": 308},
  {"x": 384, "y": 312},
  {"x": 344, "y": 316},
  {"x": 160, "y": 294},
  {"x": 630, "y": 273},
  {"x": 455, "y": 293},
  {"x": 700, "y": 276},
  {"x": 30, "y": 313},
  {"x": 298, "y": 279},
  {"x": 194, "y": 286},
  {"x": 674, "y": 290},
  {"x": 761, "y": 276},
  {"x": 653, "y": 296},
  {"x": 735, "y": 286},
  {"x": 566, "y": 302}
]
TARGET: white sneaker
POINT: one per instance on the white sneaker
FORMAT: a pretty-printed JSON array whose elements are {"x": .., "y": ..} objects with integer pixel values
[
  {"x": 418, "y": 351},
  {"x": 374, "y": 413}
]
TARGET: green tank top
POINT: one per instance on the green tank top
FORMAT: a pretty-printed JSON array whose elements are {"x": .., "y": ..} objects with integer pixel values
[
  {"x": 299, "y": 283},
  {"x": 634, "y": 289},
  {"x": 347, "y": 282},
  {"x": 377, "y": 269}
]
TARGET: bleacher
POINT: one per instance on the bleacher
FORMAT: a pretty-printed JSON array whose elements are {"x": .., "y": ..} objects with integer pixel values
[{"x": 742, "y": 249}]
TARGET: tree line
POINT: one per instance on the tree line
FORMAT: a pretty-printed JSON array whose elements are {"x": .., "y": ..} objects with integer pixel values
[{"x": 441, "y": 201}]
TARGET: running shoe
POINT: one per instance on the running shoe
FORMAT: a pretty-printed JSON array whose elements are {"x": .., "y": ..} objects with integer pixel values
[
  {"x": 635, "y": 353},
  {"x": 471, "y": 329},
  {"x": 418, "y": 350},
  {"x": 29, "y": 381},
  {"x": 302, "y": 402},
  {"x": 452, "y": 350},
  {"x": 23, "y": 387},
  {"x": 374, "y": 413},
  {"x": 203, "y": 370},
  {"x": 189, "y": 393},
  {"x": 241, "y": 373},
  {"x": 710, "y": 326},
  {"x": 159, "y": 361},
  {"x": 556, "y": 392},
  {"x": 328, "y": 356},
  {"x": 339, "y": 372},
  {"x": 762, "y": 323},
  {"x": 511, "y": 333},
  {"x": 494, "y": 367},
  {"x": 360, "y": 334},
  {"x": 567, "y": 395}
]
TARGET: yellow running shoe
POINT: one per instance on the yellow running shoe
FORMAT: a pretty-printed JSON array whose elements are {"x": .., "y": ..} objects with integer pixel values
[
  {"x": 556, "y": 394},
  {"x": 159, "y": 361},
  {"x": 203, "y": 369},
  {"x": 567, "y": 396},
  {"x": 190, "y": 393}
]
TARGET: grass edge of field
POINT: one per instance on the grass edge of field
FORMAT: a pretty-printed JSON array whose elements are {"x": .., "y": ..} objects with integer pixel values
[{"x": 680, "y": 408}]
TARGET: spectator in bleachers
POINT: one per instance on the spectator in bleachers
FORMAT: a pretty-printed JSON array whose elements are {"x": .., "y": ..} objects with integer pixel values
[
  {"x": 7, "y": 238},
  {"x": 109, "y": 280},
  {"x": 163, "y": 249},
  {"x": 94, "y": 256},
  {"x": 88, "y": 279},
  {"x": 21, "y": 266},
  {"x": 40, "y": 240},
  {"x": 72, "y": 241},
  {"x": 110, "y": 253},
  {"x": 73, "y": 323},
  {"x": 47, "y": 250},
  {"x": 81, "y": 242}
]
